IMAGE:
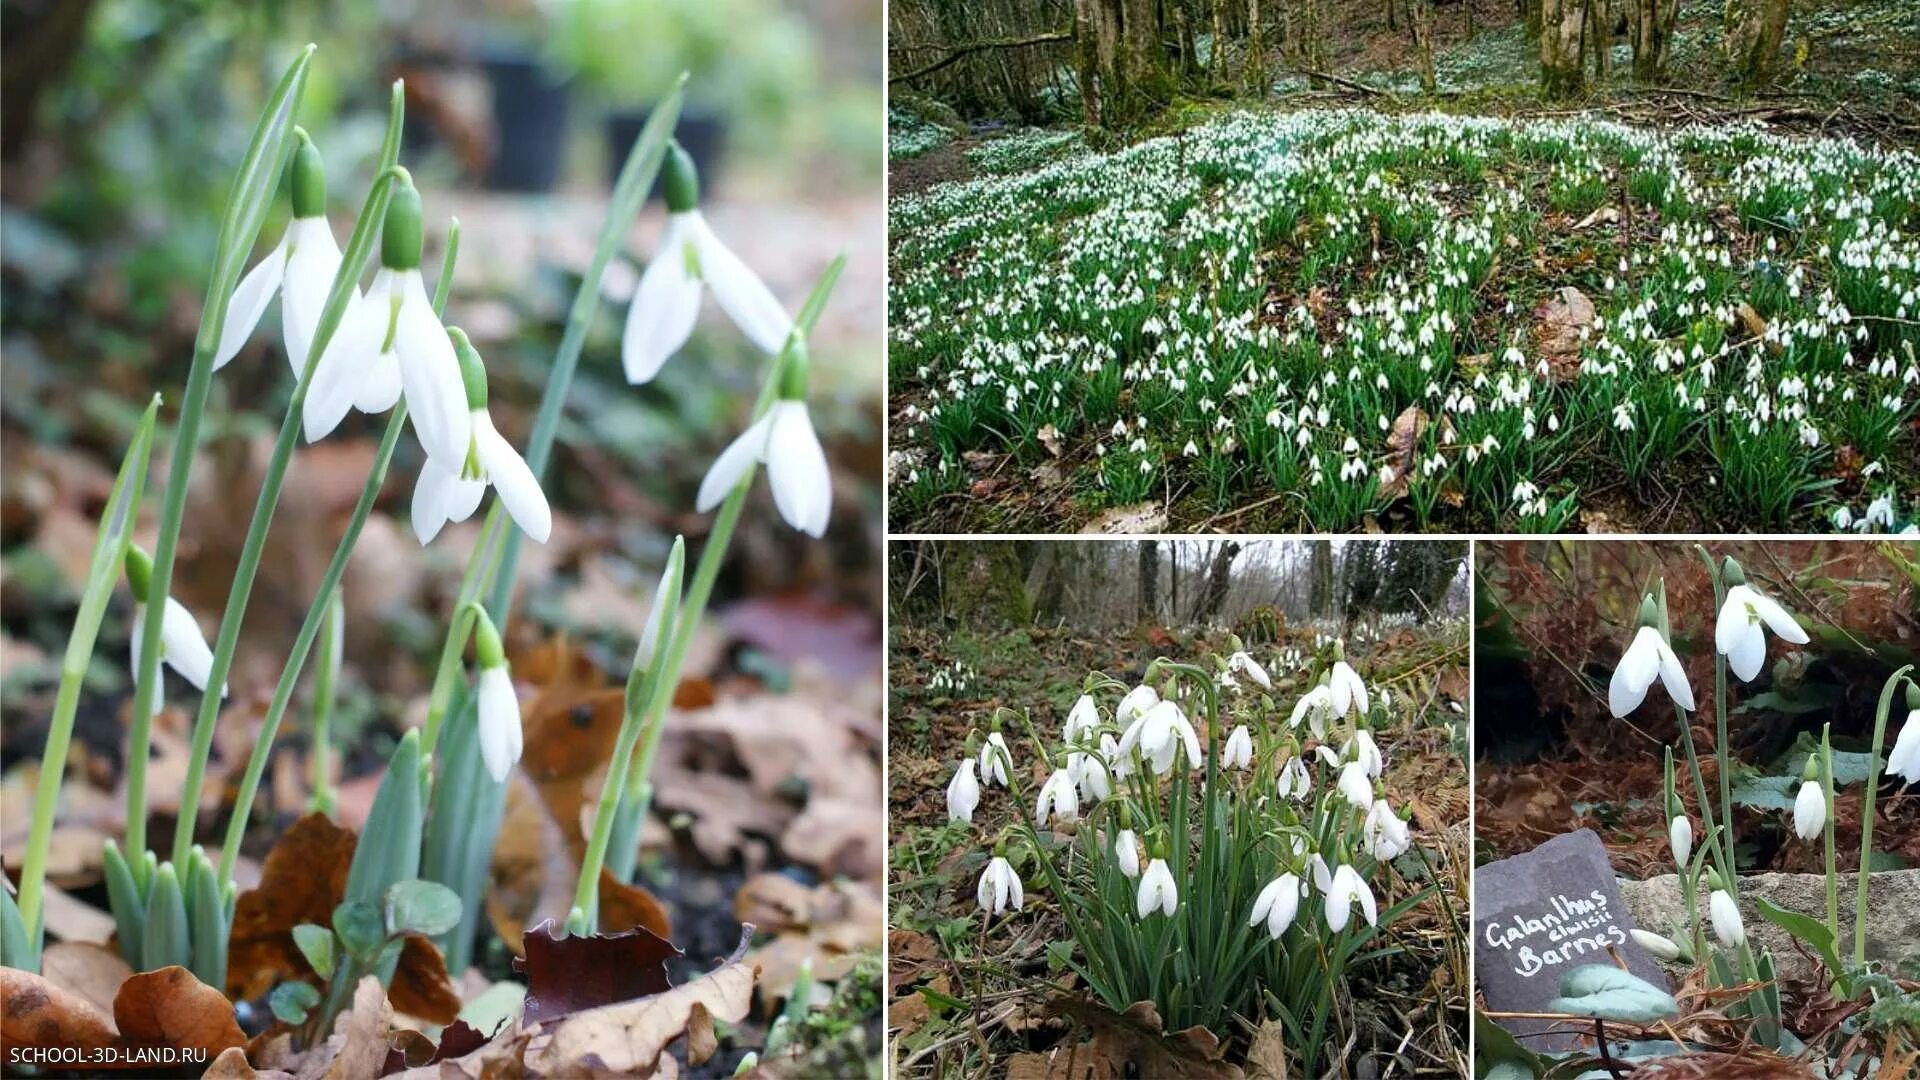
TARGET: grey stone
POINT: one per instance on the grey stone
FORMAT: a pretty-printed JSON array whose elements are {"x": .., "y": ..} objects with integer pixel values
[
  {"x": 1539, "y": 915},
  {"x": 1893, "y": 914}
]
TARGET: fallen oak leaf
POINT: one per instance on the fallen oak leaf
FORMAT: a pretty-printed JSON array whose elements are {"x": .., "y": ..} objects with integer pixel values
[
  {"x": 569, "y": 974},
  {"x": 170, "y": 1007},
  {"x": 629, "y": 1037},
  {"x": 34, "y": 1013},
  {"x": 361, "y": 1032},
  {"x": 1403, "y": 446},
  {"x": 303, "y": 879},
  {"x": 701, "y": 1041},
  {"x": 91, "y": 970},
  {"x": 232, "y": 1064},
  {"x": 1138, "y": 1037},
  {"x": 421, "y": 986}
]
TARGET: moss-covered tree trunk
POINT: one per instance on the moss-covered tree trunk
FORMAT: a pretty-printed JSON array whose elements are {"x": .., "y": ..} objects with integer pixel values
[
  {"x": 1423, "y": 42},
  {"x": 1086, "y": 54},
  {"x": 1562, "y": 66},
  {"x": 1149, "y": 580},
  {"x": 1755, "y": 30},
  {"x": 1650, "y": 30},
  {"x": 1256, "y": 70}
]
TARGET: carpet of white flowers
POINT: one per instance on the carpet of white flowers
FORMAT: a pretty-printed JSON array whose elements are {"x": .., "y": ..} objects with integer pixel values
[{"x": 1332, "y": 319}]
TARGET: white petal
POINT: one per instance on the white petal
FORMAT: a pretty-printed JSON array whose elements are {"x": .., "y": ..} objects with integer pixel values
[
  {"x": 738, "y": 290},
  {"x": 664, "y": 307},
  {"x": 344, "y": 366},
  {"x": 727, "y": 469},
  {"x": 797, "y": 469},
  {"x": 311, "y": 267},
  {"x": 430, "y": 372},
  {"x": 184, "y": 647},
  {"x": 499, "y": 719},
  {"x": 1778, "y": 619},
  {"x": 1675, "y": 678},
  {"x": 1637, "y": 669},
  {"x": 1809, "y": 810},
  {"x": 1732, "y": 621},
  {"x": 983, "y": 892},
  {"x": 1749, "y": 652},
  {"x": 1680, "y": 839},
  {"x": 249, "y": 302},
  {"x": 380, "y": 384},
  {"x": 430, "y": 497},
  {"x": 512, "y": 480},
  {"x": 1015, "y": 894},
  {"x": 1904, "y": 759}
]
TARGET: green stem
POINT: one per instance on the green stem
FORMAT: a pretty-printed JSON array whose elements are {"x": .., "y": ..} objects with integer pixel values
[
  {"x": 473, "y": 582},
  {"x": 246, "y": 212},
  {"x": 1833, "y": 873},
  {"x": 329, "y": 585},
  {"x": 646, "y": 686},
  {"x": 1866, "y": 814},
  {"x": 240, "y": 593},
  {"x": 103, "y": 570},
  {"x": 1713, "y": 837},
  {"x": 331, "y": 643},
  {"x": 1723, "y": 753}
]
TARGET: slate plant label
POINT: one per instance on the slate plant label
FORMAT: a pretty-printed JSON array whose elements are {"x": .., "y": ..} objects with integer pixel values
[{"x": 1539, "y": 915}]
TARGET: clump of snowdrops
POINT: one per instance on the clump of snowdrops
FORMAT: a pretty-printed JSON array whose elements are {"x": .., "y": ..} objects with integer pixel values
[
  {"x": 421, "y": 860},
  {"x": 1715, "y": 933},
  {"x": 1239, "y": 876}
]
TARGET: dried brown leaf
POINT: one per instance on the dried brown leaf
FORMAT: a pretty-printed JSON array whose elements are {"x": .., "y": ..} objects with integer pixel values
[{"x": 170, "y": 1007}]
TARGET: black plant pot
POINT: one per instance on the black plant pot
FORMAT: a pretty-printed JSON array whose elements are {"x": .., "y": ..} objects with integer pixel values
[
  {"x": 530, "y": 123},
  {"x": 704, "y": 135}
]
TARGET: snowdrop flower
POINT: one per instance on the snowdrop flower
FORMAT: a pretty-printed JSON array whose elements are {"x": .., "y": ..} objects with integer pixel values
[
  {"x": 1904, "y": 759},
  {"x": 1277, "y": 904},
  {"x": 1157, "y": 890},
  {"x": 1239, "y": 749},
  {"x": 391, "y": 343},
  {"x": 994, "y": 760},
  {"x": 1680, "y": 839},
  {"x": 1059, "y": 798},
  {"x": 1158, "y": 734},
  {"x": 1662, "y": 947},
  {"x": 499, "y": 702},
  {"x": 1728, "y": 930},
  {"x": 784, "y": 440},
  {"x": 1345, "y": 688},
  {"x": 1387, "y": 836},
  {"x": 1295, "y": 780},
  {"x": 1089, "y": 772},
  {"x": 1355, "y": 784},
  {"x": 963, "y": 792},
  {"x": 1809, "y": 809},
  {"x": 999, "y": 890},
  {"x": 1135, "y": 705},
  {"x": 441, "y": 496},
  {"x": 300, "y": 268},
  {"x": 1346, "y": 887},
  {"x": 182, "y": 646},
  {"x": 1126, "y": 850},
  {"x": 1363, "y": 749},
  {"x": 1314, "y": 707},
  {"x": 1084, "y": 716},
  {"x": 667, "y": 300},
  {"x": 1737, "y": 632},
  {"x": 1647, "y": 658},
  {"x": 1241, "y": 662}
]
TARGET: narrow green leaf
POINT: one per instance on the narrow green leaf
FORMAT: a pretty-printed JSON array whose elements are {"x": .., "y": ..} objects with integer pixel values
[
  {"x": 1810, "y": 930},
  {"x": 165, "y": 942},
  {"x": 1608, "y": 993},
  {"x": 207, "y": 918},
  {"x": 16, "y": 949},
  {"x": 128, "y": 903}
]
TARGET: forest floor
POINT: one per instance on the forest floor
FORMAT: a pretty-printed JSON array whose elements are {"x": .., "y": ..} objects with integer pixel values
[
  {"x": 961, "y": 1003},
  {"x": 1552, "y": 759}
]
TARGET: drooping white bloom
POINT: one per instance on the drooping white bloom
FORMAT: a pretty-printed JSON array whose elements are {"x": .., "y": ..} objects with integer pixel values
[
  {"x": 1135, "y": 705},
  {"x": 1809, "y": 810},
  {"x": 441, "y": 495},
  {"x": 1346, "y": 689},
  {"x": 785, "y": 442},
  {"x": 1238, "y": 753},
  {"x": 499, "y": 718},
  {"x": 1241, "y": 662},
  {"x": 1737, "y": 633},
  {"x": 1387, "y": 836},
  {"x": 1355, "y": 785},
  {"x": 1059, "y": 797},
  {"x": 1277, "y": 904},
  {"x": 1363, "y": 749},
  {"x": 963, "y": 792},
  {"x": 1156, "y": 890},
  {"x": 1314, "y": 706},
  {"x": 667, "y": 301},
  {"x": 995, "y": 759},
  {"x": 1346, "y": 887},
  {"x": 300, "y": 270},
  {"x": 1084, "y": 716},
  {"x": 999, "y": 891},
  {"x": 1126, "y": 850},
  {"x": 182, "y": 646},
  {"x": 1728, "y": 930},
  {"x": 1680, "y": 839},
  {"x": 1296, "y": 781},
  {"x": 391, "y": 342},
  {"x": 1158, "y": 734},
  {"x": 1904, "y": 760},
  {"x": 1662, "y": 947},
  {"x": 1089, "y": 770},
  {"x": 1649, "y": 657}
]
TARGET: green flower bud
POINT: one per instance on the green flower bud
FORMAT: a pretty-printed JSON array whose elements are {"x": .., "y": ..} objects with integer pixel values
[
  {"x": 401, "y": 235},
  {"x": 308, "y": 178},
  {"x": 473, "y": 373},
  {"x": 139, "y": 567},
  {"x": 486, "y": 640},
  {"x": 1811, "y": 770},
  {"x": 1730, "y": 572},
  {"x": 681, "y": 184},
  {"x": 1913, "y": 694},
  {"x": 793, "y": 377}
]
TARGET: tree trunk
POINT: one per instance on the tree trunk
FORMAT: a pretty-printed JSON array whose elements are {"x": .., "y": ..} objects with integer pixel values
[
  {"x": 1391, "y": 24},
  {"x": 1423, "y": 42},
  {"x": 1530, "y": 10},
  {"x": 1320, "y": 573},
  {"x": 1600, "y": 37},
  {"x": 1086, "y": 52},
  {"x": 1217, "y": 55},
  {"x": 1754, "y": 31},
  {"x": 1149, "y": 581},
  {"x": 1562, "y": 66},
  {"x": 1215, "y": 592},
  {"x": 1256, "y": 53},
  {"x": 1649, "y": 30}
]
